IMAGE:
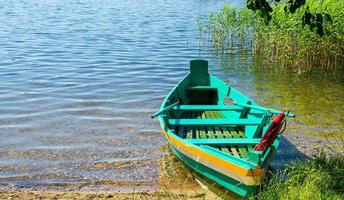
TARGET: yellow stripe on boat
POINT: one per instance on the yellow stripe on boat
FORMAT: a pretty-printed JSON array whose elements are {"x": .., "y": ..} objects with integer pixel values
[{"x": 246, "y": 176}]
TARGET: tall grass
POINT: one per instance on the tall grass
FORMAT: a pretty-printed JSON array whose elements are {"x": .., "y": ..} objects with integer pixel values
[
  {"x": 229, "y": 29},
  {"x": 284, "y": 40},
  {"x": 319, "y": 178},
  {"x": 287, "y": 41}
]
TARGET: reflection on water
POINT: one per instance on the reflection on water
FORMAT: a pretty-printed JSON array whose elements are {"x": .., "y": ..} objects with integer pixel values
[
  {"x": 317, "y": 100},
  {"x": 78, "y": 82},
  {"x": 80, "y": 78}
]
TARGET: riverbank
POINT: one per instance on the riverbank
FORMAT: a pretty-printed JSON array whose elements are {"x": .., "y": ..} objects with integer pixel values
[{"x": 175, "y": 180}]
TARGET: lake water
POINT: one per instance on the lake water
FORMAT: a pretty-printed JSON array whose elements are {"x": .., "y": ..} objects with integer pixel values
[{"x": 79, "y": 80}]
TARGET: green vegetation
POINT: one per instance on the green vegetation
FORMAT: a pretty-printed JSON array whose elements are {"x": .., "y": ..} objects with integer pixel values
[
  {"x": 229, "y": 28},
  {"x": 319, "y": 178},
  {"x": 290, "y": 40}
]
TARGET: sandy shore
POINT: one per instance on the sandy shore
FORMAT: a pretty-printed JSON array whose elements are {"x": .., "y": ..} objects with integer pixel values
[
  {"x": 175, "y": 181},
  {"x": 33, "y": 195}
]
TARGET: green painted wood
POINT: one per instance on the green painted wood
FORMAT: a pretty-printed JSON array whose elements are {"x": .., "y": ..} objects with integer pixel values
[
  {"x": 250, "y": 148},
  {"x": 268, "y": 110},
  {"x": 259, "y": 130},
  {"x": 214, "y": 92},
  {"x": 235, "y": 152},
  {"x": 218, "y": 133},
  {"x": 211, "y": 114},
  {"x": 199, "y": 72},
  {"x": 194, "y": 134},
  {"x": 211, "y": 133},
  {"x": 192, "y": 116},
  {"x": 235, "y": 160},
  {"x": 188, "y": 128},
  {"x": 207, "y": 107},
  {"x": 201, "y": 87},
  {"x": 242, "y": 150},
  {"x": 213, "y": 122},
  {"x": 233, "y": 147},
  {"x": 203, "y": 115},
  {"x": 227, "y": 182},
  {"x": 226, "y": 133},
  {"x": 219, "y": 115},
  {"x": 240, "y": 132},
  {"x": 202, "y": 132},
  {"x": 164, "y": 110},
  {"x": 189, "y": 133},
  {"x": 224, "y": 141},
  {"x": 233, "y": 132},
  {"x": 197, "y": 133},
  {"x": 230, "y": 149},
  {"x": 246, "y": 110}
]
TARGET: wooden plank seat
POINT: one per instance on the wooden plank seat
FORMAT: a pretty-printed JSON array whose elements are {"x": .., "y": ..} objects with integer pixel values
[
  {"x": 201, "y": 87},
  {"x": 208, "y": 107},
  {"x": 218, "y": 137},
  {"x": 230, "y": 141},
  {"x": 213, "y": 122}
]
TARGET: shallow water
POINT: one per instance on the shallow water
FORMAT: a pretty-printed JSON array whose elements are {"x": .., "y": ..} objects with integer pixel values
[{"x": 79, "y": 80}]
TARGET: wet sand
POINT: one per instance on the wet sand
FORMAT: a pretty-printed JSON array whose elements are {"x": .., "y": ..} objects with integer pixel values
[
  {"x": 175, "y": 182},
  {"x": 101, "y": 195}
]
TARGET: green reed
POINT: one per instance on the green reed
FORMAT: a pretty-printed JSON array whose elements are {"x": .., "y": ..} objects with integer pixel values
[
  {"x": 319, "y": 178},
  {"x": 284, "y": 40},
  {"x": 228, "y": 29}
]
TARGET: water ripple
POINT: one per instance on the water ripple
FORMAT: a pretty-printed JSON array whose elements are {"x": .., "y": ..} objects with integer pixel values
[{"x": 79, "y": 80}]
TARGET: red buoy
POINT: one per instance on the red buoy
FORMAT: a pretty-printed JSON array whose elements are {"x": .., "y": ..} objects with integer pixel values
[{"x": 272, "y": 132}]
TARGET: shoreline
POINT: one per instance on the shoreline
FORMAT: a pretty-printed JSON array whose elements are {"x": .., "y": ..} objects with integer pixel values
[{"x": 175, "y": 180}]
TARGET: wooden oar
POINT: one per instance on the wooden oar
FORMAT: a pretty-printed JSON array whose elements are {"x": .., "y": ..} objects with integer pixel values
[
  {"x": 165, "y": 109},
  {"x": 229, "y": 100}
]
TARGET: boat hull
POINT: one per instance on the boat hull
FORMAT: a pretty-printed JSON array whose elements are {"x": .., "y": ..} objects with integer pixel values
[
  {"x": 212, "y": 138},
  {"x": 231, "y": 181},
  {"x": 225, "y": 181}
]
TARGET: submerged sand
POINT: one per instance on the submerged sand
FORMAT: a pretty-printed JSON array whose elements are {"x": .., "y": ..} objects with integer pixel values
[{"x": 175, "y": 182}]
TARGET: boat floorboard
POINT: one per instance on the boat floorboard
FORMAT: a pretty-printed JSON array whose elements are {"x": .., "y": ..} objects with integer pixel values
[{"x": 202, "y": 132}]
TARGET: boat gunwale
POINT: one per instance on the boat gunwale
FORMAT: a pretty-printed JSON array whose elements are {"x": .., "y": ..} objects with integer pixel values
[{"x": 240, "y": 166}]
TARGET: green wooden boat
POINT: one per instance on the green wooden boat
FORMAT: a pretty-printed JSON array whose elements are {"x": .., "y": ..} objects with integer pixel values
[{"x": 217, "y": 140}]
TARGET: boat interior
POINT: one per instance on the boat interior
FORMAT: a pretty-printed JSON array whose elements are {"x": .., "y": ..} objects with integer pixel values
[{"x": 203, "y": 118}]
